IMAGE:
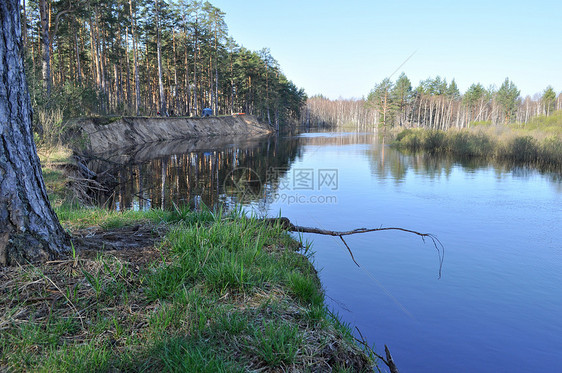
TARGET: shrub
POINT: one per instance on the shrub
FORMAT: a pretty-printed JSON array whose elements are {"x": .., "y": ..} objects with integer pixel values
[
  {"x": 522, "y": 149},
  {"x": 551, "y": 150},
  {"x": 433, "y": 140}
]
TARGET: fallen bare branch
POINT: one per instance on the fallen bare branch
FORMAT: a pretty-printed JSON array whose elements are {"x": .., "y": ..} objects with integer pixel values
[
  {"x": 390, "y": 361},
  {"x": 350, "y": 252},
  {"x": 286, "y": 224}
]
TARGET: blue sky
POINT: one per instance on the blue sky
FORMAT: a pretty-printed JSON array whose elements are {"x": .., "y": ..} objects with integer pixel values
[{"x": 342, "y": 49}]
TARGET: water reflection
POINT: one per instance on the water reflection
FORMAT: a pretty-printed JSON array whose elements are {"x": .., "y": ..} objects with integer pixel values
[
  {"x": 188, "y": 172},
  {"x": 387, "y": 163},
  {"x": 209, "y": 171}
]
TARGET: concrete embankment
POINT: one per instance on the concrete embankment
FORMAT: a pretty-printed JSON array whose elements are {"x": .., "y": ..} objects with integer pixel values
[{"x": 107, "y": 134}]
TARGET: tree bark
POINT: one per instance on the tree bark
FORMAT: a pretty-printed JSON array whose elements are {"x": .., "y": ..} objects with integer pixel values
[
  {"x": 175, "y": 98},
  {"x": 187, "y": 84},
  {"x": 136, "y": 67},
  {"x": 195, "y": 83},
  {"x": 77, "y": 54},
  {"x": 128, "y": 64},
  {"x": 24, "y": 25},
  {"x": 163, "y": 109},
  {"x": 29, "y": 229},
  {"x": 93, "y": 52},
  {"x": 45, "y": 47}
]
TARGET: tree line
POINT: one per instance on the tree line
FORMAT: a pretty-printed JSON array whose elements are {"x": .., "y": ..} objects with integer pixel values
[
  {"x": 434, "y": 104},
  {"x": 147, "y": 57}
]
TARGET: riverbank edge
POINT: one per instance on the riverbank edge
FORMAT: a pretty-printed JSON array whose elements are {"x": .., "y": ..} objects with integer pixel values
[
  {"x": 203, "y": 290},
  {"x": 535, "y": 148},
  {"x": 96, "y": 135}
]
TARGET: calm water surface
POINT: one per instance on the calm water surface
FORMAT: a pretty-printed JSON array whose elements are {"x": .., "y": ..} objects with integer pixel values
[{"x": 498, "y": 304}]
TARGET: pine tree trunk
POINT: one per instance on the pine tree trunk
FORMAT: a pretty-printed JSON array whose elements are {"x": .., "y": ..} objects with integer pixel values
[
  {"x": 77, "y": 55},
  {"x": 29, "y": 229},
  {"x": 24, "y": 25},
  {"x": 195, "y": 83},
  {"x": 103, "y": 70},
  {"x": 216, "y": 107},
  {"x": 45, "y": 50},
  {"x": 231, "y": 87},
  {"x": 187, "y": 85},
  {"x": 117, "y": 83},
  {"x": 210, "y": 91},
  {"x": 163, "y": 110},
  {"x": 93, "y": 52},
  {"x": 128, "y": 64},
  {"x": 136, "y": 67},
  {"x": 176, "y": 105}
]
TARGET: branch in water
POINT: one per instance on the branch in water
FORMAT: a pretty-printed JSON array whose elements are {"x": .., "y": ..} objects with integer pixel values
[
  {"x": 286, "y": 223},
  {"x": 388, "y": 361}
]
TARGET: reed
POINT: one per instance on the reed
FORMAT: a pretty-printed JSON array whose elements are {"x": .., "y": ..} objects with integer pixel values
[{"x": 530, "y": 144}]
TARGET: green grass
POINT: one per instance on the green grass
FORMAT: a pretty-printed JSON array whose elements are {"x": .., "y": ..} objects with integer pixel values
[
  {"x": 549, "y": 125},
  {"x": 221, "y": 293},
  {"x": 49, "y": 155},
  {"x": 229, "y": 255},
  {"x": 188, "y": 355},
  {"x": 76, "y": 218},
  {"x": 277, "y": 343}
]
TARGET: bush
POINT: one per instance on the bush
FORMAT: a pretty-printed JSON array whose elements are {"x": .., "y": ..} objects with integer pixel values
[
  {"x": 403, "y": 134},
  {"x": 466, "y": 143},
  {"x": 551, "y": 150},
  {"x": 522, "y": 149},
  {"x": 410, "y": 140},
  {"x": 433, "y": 141},
  {"x": 459, "y": 143}
]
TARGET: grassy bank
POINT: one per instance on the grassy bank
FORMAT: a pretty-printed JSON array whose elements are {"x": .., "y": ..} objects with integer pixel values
[
  {"x": 171, "y": 291},
  {"x": 55, "y": 164},
  {"x": 537, "y": 143}
]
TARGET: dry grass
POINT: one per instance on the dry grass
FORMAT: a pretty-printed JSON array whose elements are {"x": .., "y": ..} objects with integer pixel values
[
  {"x": 54, "y": 155},
  {"x": 533, "y": 147}
]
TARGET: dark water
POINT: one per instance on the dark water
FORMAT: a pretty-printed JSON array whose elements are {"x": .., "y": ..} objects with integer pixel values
[{"x": 498, "y": 304}]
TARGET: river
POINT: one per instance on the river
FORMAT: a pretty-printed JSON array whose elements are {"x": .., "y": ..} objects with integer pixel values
[{"x": 490, "y": 302}]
